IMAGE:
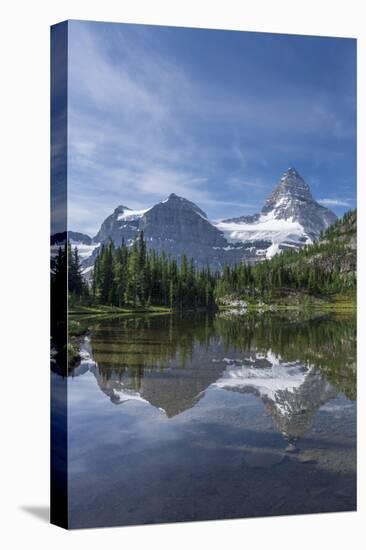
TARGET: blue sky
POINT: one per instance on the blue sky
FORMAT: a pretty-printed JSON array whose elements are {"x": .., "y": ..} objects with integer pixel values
[{"x": 214, "y": 116}]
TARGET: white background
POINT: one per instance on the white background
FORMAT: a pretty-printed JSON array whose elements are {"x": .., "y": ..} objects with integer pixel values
[{"x": 24, "y": 204}]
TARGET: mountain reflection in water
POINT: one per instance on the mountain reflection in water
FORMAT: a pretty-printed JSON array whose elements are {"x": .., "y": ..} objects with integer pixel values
[
  {"x": 205, "y": 417},
  {"x": 170, "y": 362}
]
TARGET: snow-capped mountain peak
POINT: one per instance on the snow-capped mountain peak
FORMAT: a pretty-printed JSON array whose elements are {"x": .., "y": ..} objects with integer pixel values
[
  {"x": 289, "y": 218},
  {"x": 290, "y": 190}
]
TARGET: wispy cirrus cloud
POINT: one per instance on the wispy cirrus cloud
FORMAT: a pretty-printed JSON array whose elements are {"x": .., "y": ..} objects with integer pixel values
[
  {"x": 145, "y": 120},
  {"x": 336, "y": 202}
]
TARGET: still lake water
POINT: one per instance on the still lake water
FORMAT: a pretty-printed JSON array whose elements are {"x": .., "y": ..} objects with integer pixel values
[{"x": 206, "y": 417}]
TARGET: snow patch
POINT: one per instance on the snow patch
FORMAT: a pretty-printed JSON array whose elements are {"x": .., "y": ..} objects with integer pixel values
[
  {"x": 84, "y": 250},
  {"x": 269, "y": 381},
  {"x": 272, "y": 250},
  {"x": 266, "y": 228},
  {"x": 132, "y": 215}
]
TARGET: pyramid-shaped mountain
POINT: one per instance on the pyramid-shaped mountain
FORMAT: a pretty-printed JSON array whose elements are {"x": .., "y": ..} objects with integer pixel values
[{"x": 289, "y": 218}]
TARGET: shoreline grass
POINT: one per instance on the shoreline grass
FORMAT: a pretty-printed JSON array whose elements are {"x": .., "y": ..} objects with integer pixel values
[
  {"x": 290, "y": 302},
  {"x": 103, "y": 310}
]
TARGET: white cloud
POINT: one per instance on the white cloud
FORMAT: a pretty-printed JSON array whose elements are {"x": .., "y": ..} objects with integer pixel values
[{"x": 335, "y": 202}]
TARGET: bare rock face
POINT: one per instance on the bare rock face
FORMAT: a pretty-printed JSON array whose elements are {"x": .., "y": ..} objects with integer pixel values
[
  {"x": 291, "y": 201},
  {"x": 180, "y": 221},
  {"x": 118, "y": 226},
  {"x": 291, "y": 185},
  {"x": 292, "y": 198},
  {"x": 177, "y": 226}
]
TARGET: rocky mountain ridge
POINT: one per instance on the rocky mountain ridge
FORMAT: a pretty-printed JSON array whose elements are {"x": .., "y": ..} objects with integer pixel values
[{"x": 290, "y": 218}]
